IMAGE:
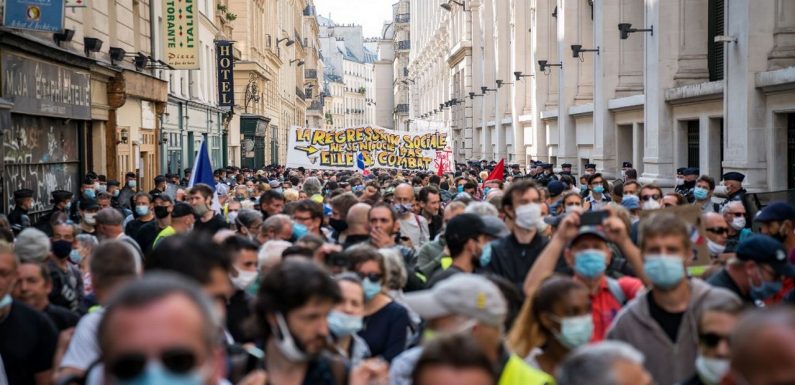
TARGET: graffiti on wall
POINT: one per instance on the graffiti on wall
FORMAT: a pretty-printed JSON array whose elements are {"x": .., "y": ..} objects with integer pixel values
[{"x": 40, "y": 154}]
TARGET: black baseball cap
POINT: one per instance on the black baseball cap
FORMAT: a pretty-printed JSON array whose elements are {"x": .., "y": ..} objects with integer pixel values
[
  {"x": 181, "y": 209},
  {"x": 463, "y": 228},
  {"x": 766, "y": 250}
]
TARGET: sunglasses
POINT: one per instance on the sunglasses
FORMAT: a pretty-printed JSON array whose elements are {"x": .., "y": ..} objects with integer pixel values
[
  {"x": 131, "y": 365},
  {"x": 373, "y": 277},
  {"x": 717, "y": 230},
  {"x": 737, "y": 215},
  {"x": 712, "y": 340},
  {"x": 650, "y": 197}
]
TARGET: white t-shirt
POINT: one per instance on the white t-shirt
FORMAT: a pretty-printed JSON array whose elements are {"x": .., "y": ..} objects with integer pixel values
[{"x": 415, "y": 227}]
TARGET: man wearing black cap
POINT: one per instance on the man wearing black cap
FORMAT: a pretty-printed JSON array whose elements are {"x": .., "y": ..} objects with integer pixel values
[
  {"x": 688, "y": 184},
  {"x": 547, "y": 175},
  {"x": 184, "y": 181},
  {"x": 128, "y": 191},
  {"x": 87, "y": 210},
  {"x": 182, "y": 220},
  {"x": 756, "y": 273},
  {"x": 778, "y": 221},
  {"x": 590, "y": 169},
  {"x": 565, "y": 169},
  {"x": 146, "y": 235},
  {"x": 734, "y": 189},
  {"x": 19, "y": 219},
  {"x": 466, "y": 239},
  {"x": 61, "y": 202}
]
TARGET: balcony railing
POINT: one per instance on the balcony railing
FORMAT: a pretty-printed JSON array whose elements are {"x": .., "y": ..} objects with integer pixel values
[
  {"x": 403, "y": 18},
  {"x": 404, "y": 45},
  {"x": 402, "y": 109},
  {"x": 316, "y": 105},
  {"x": 300, "y": 93},
  {"x": 310, "y": 74}
]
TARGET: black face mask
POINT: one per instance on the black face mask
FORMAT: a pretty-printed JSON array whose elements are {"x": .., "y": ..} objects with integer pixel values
[
  {"x": 338, "y": 225},
  {"x": 61, "y": 248},
  {"x": 161, "y": 212}
]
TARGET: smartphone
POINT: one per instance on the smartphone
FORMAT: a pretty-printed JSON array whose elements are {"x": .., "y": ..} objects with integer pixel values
[{"x": 593, "y": 218}]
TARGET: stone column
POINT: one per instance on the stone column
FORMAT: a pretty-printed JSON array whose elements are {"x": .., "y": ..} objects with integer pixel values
[
  {"x": 567, "y": 79},
  {"x": 606, "y": 18},
  {"x": 541, "y": 38},
  {"x": 783, "y": 53},
  {"x": 519, "y": 27},
  {"x": 501, "y": 46},
  {"x": 692, "y": 41}
]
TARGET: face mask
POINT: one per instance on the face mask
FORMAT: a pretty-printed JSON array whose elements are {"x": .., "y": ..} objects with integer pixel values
[
  {"x": 244, "y": 279},
  {"x": 461, "y": 188},
  {"x": 403, "y": 208},
  {"x": 575, "y": 331},
  {"x": 338, "y": 225},
  {"x": 583, "y": 187},
  {"x": 131, "y": 183},
  {"x": 651, "y": 205},
  {"x": 61, "y": 248},
  {"x": 664, "y": 271},
  {"x": 67, "y": 206},
  {"x": 6, "y": 301},
  {"x": 286, "y": 343},
  {"x": 738, "y": 223},
  {"x": 765, "y": 290},
  {"x": 590, "y": 263},
  {"x": 200, "y": 209},
  {"x": 634, "y": 219},
  {"x": 89, "y": 219},
  {"x": 485, "y": 255},
  {"x": 75, "y": 256},
  {"x": 299, "y": 230},
  {"x": 700, "y": 193},
  {"x": 142, "y": 210},
  {"x": 90, "y": 193},
  {"x": 572, "y": 209},
  {"x": 599, "y": 189},
  {"x": 116, "y": 193},
  {"x": 714, "y": 248},
  {"x": 680, "y": 182},
  {"x": 155, "y": 373},
  {"x": 232, "y": 216},
  {"x": 343, "y": 325},
  {"x": 486, "y": 191},
  {"x": 371, "y": 289},
  {"x": 527, "y": 216},
  {"x": 161, "y": 212},
  {"x": 711, "y": 370},
  {"x": 240, "y": 198},
  {"x": 102, "y": 187}
]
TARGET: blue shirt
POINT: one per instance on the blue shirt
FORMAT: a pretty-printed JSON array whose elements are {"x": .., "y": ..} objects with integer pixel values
[{"x": 386, "y": 331}]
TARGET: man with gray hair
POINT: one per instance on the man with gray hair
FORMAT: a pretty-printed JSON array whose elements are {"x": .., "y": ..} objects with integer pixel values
[
  {"x": 32, "y": 245},
  {"x": 110, "y": 227},
  {"x": 311, "y": 186},
  {"x": 604, "y": 363},
  {"x": 276, "y": 227}
]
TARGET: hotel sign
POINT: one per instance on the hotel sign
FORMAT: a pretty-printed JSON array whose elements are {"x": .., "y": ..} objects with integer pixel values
[{"x": 226, "y": 67}]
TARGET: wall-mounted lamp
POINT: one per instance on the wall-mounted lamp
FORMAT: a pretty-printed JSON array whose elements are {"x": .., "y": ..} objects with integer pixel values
[
  {"x": 300, "y": 62},
  {"x": 577, "y": 50},
  {"x": 519, "y": 76},
  {"x": 289, "y": 41},
  {"x": 544, "y": 66},
  {"x": 485, "y": 89},
  {"x": 91, "y": 44},
  {"x": 116, "y": 54},
  {"x": 140, "y": 61},
  {"x": 64, "y": 36},
  {"x": 124, "y": 136},
  {"x": 407, "y": 81},
  {"x": 472, "y": 95},
  {"x": 625, "y": 29},
  {"x": 446, "y": 5},
  {"x": 500, "y": 83}
]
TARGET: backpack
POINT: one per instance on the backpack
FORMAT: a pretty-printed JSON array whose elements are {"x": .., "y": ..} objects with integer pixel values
[{"x": 616, "y": 290}]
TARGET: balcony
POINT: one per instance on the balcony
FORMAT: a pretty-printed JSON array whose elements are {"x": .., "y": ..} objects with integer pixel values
[
  {"x": 402, "y": 109},
  {"x": 402, "y": 18},
  {"x": 316, "y": 105},
  {"x": 310, "y": 10},
  {"x": 404, "y": 45},
  {"x": 310, "y": 74},
  {"x": 300, "y": 93}
]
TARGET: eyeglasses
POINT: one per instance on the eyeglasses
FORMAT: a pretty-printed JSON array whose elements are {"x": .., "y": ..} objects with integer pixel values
[
  {"x": 130, "y": 365},
  {"x": 649, "y": 197},
  {"x": 718, "y": 230},
  {"x": 712, "y": 340},
  {"x": 373, "y": 277},
  {"x": 737, "y": 215}
]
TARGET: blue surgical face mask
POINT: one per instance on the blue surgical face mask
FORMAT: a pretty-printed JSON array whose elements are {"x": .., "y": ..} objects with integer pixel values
[
  {"x": 371, "y": 289},
  {"x": 75, "y": 256},
  {"x": 461, "y": 188},
  {"x": 574, "y": 331},
  {"x": 590, "y": 263},
  {"x": 766, "y": 290},
  {"x": 485, "y": 255},
  {"x": 155, "y": 373},
  {"x": 664, "y": 271},
  {"x": 583, "y": 187},
  {"x": 700, "y": 193},
  {"x": 6, "y": 301},
  {"x": 343, "y": 325},
  {"x": 141, "y": 210},
  {"x": 89, "y": 193},
  {"x": 132, "y": 183},
  {"x": 299, "y": 230},
  {"x": 599, "y": 189},
  {"x": 116, "y": 193},
  {"x": 67, "y": 206},
  {"x": 486, "y": 191}
]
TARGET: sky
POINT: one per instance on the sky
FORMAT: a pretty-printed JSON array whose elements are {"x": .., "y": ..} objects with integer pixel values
[{"x": 370, "y": 14}]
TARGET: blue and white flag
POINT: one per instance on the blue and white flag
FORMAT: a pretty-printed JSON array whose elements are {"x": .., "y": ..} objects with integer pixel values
[{"x": 203, "y": 173}]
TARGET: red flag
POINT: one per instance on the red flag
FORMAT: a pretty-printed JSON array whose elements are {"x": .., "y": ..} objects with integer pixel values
[
  {"x": 498, "y": 173},
  {"x": 440, "y": 170}
]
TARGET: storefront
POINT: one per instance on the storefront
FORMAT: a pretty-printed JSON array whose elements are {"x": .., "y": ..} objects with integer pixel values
[
  {"x": 253, "y": 129},
  {"x": 44, "y": 136}
]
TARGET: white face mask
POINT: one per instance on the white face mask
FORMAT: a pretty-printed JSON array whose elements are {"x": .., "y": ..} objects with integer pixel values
[
  {"x": 244, "y": 279},
  {"x": 738, "y": 223},
  {"x": 711, "y": 370},
  {"x": 680, "y": 181},
  {"x": 573, "y": 209},
  {"x": 651, "y": 205},
  {"x": 714, "y": 248},
  {"x": 286, "y": 343},
  {"x": 528, "y": 216}
]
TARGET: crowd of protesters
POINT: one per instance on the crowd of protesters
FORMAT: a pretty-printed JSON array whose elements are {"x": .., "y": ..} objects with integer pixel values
[{"x": 482, "y": 276}]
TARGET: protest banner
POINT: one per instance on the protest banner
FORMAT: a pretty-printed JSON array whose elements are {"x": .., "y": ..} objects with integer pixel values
[
  {"x": 700, "y": 259},
  {"x": 423, "y": 150}
]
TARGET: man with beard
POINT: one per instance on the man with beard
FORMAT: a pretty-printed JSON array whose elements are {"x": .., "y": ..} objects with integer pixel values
[{"x": 465, "y": 236}]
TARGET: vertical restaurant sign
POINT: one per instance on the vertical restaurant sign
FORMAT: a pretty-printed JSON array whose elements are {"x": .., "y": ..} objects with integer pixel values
[
  {"x": 181, "y": 30},
  {"x": 226, "y": 67},
  {"x": 35, "y": 15}
]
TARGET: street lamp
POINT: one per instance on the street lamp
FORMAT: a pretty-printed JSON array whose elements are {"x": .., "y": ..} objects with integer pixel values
[
  {"x": 449, "y": 8},
  {"x": 626, "y": 28}
]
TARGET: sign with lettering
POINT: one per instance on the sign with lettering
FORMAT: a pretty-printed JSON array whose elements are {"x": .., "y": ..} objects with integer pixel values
[
  {"x": 35, "y": 15},
  {"x": 42, "y": 88},
  {"x": 181, "y": 28},
  {"x": 76, "y": 3},
  {"x": 226, "y": 67},
  {"x": 362, "y": 148}
]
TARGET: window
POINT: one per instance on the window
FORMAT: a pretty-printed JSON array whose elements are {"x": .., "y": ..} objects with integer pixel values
[
  {"x": 692, "y": 143},
  {"x": 715, "y": 50}
]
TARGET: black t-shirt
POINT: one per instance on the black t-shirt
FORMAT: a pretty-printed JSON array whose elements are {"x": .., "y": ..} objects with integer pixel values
[
  {"x": 61, "y": 317},
  {"x": 27, "y": 343},
  {"x": 386, "y": 331},
  {"x": 67, "y": 287},
  {"x": 146, "y": 236},
  {"x": 724, "y": 280},
  {"x": 212, "y": 226},
  {"x": 134, "y": 226},
  {"x": 238, "y": 310},
  {"x": 669, "y": 322},
  {"x": 513, "y": 260},
  {"x": 435, "y": 225}
]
